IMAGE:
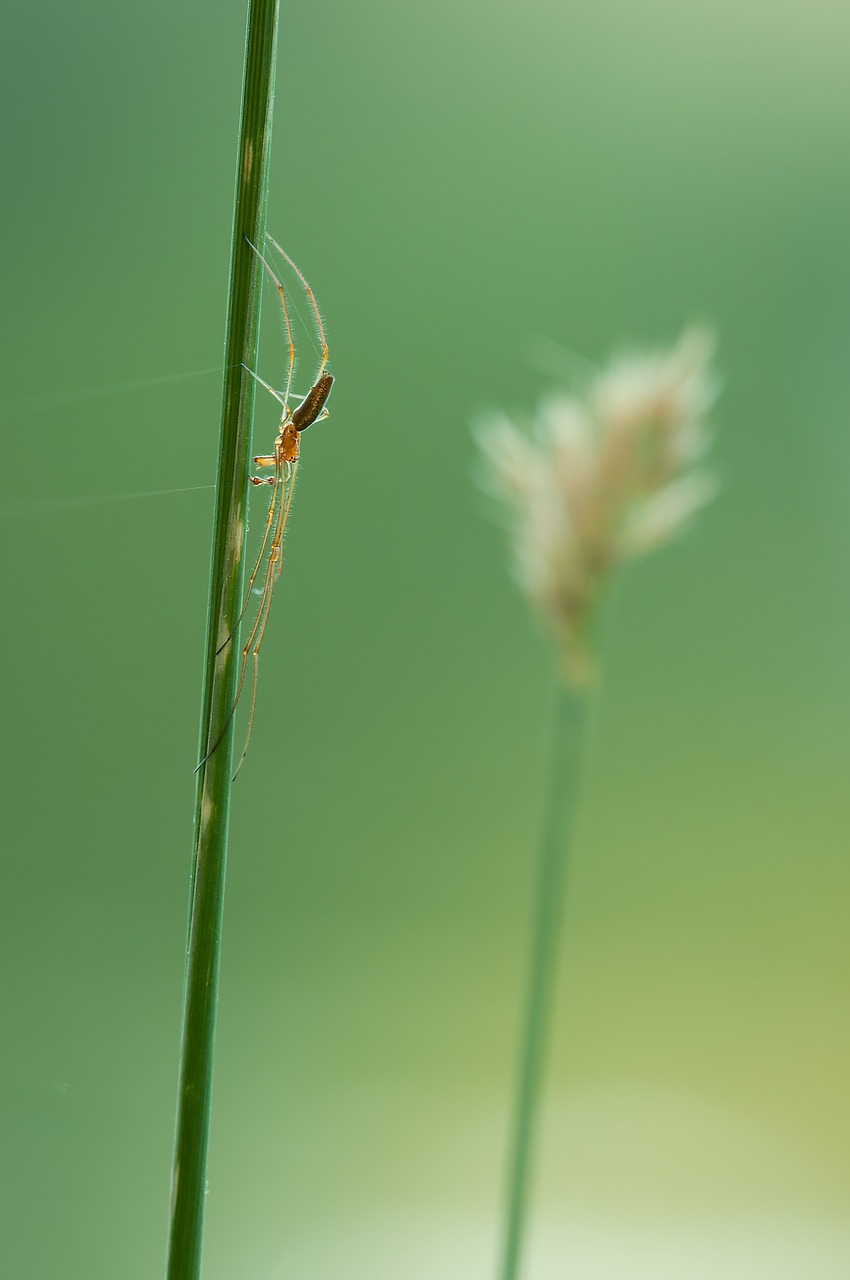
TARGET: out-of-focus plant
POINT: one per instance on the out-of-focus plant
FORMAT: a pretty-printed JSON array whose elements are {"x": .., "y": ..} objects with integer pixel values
[{"x": 601, "y": 478}]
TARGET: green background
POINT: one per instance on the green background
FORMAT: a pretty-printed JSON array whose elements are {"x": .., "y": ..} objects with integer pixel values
[{"x": 456, "y": 180}]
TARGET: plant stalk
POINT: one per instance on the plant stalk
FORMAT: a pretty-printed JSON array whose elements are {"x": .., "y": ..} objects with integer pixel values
[
  {"x": 566, "y": 747},
  {"x": 212, "y": 811}
]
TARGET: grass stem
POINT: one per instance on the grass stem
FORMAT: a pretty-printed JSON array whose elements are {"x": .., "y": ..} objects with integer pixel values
[
  {"x": 566, "y": 747},
  {"x": 212, "y": 812}
]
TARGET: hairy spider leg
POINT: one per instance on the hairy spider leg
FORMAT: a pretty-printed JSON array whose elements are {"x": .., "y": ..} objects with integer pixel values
[
  {"x": 255, "y": 640},
  {"x": 288, "y": 323},
  {"x": 310, "y": 294}
]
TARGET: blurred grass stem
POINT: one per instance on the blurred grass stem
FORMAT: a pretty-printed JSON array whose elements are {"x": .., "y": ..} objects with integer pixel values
[
  {"x": 212, "y": 812},
  {"x": 567, "y": 736}
]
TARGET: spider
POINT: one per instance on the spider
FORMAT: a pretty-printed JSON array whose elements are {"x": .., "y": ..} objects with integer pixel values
[{"x": 284, "y": 460}]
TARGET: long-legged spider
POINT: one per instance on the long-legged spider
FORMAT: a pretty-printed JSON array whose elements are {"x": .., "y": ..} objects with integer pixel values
[{"x": 284, "y": 460}]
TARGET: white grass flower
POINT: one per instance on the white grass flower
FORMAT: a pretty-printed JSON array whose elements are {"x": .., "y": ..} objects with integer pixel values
[{"x": 603, "y": 478}]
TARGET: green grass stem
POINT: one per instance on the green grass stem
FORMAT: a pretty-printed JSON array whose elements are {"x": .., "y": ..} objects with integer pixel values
[
  {"x": 566, "y": 749},
  {"x": 212, "y": 813}
]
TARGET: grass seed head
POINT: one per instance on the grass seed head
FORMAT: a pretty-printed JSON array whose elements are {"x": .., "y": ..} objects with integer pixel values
[{"x": 601, "y": 478}]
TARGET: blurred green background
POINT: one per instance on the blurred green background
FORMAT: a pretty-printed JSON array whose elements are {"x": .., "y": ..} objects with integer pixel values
[{"x": 456, "y": 180}]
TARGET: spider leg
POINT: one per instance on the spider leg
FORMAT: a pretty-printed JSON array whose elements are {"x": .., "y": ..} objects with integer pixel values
[
  {"x": 277, "y": 507},
  {"x": 281, "y": 291},
  {"x": 313, "y": 303},
  {"x": 273, "y": 572},
  {"x": 268, "y": 387},
  {"x": 276, "y": 481}
]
